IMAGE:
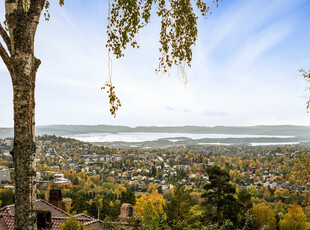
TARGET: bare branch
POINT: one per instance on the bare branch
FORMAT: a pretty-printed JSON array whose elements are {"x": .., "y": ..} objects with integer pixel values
[
  {"x": 5, "y": 37},
  {"x": 5, "y": 57}
]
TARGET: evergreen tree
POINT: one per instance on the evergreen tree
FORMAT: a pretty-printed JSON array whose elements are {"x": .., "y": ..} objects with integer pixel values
[
  {"x": 177, "y": 209},
  {"x": 128, "y": 197},
  {"x": 220, "y": 203},
  {"x": 79, "y": 203},
  {"x": 6, "y": 196}
]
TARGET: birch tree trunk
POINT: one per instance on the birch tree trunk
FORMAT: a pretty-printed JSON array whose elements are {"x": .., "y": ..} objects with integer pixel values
[
  {"x": 24, "y": 142},
  {"x": 23, "y": 65}
]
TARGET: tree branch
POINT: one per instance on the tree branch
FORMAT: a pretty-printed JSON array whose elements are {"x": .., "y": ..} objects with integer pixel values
[
  {"x": 37, "y": 63},
  {"x": 5, "y": 57},
  {"x": 10, "y": 6},
  {"x": 5, "y": 38},
  {"x": 36, "y": 7},
  {"x": 35, "y": 10}
]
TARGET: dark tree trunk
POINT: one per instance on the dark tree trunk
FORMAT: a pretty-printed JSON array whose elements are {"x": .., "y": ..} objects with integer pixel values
[{"x": 23, "y": 65}]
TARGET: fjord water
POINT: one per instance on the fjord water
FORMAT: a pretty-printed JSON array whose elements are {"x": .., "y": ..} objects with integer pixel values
[{"x": 150, "y": 136}]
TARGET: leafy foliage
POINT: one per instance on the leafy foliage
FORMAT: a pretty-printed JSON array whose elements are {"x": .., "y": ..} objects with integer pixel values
[
  {"x": 301, "y": 169},
  {"x": 114, "y": 101},
  {"x": 294, "y": 219},
  {"x": 263, "y": 217},
  {"x": 150, "y": 208},
  {"x": 178, "y": 31},
  {"x": 178, "y": 27},
  {"x": 72, "y": 224},
  {"x": 26, "y": 4},
  {"x": 128, "y": 197},
  {"x": 6, "y": 197}
]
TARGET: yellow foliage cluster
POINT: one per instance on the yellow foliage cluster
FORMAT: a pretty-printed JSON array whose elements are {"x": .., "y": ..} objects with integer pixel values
[
  {"x": 263, "y": 217},
  {"x": 294, "y": 219},
  {"x": 150, "y": 208},
  {"x": 154, "y": 199},
  {"x": 301, "y": 170}
]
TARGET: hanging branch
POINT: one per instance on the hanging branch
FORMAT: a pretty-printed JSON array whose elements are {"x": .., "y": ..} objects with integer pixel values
[{"x": 114, "y": 101}]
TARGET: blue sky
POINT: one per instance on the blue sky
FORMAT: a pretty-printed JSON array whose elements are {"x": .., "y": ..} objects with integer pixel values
[{"x": 244, "y": 70}]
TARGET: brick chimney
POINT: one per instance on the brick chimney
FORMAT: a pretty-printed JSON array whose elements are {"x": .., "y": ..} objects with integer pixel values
[
  {"x": 56, "y": 198},
  {"x": 44, "y": 219},
  {"x": 127, "y": 212}
]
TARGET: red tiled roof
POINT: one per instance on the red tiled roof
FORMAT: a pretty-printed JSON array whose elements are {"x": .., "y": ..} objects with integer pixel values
[
  {"x": 95, "y": 223},
  {"x": 82, "y": 216},
  {"x": 6, "y": 218},
  {"x": 59, "y": 216},
  {"x": 44, "y": 205},
  {"x": 57, "y": 222}
]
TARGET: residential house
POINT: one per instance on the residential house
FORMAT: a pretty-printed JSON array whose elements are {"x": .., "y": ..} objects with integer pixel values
[{"x": 53, "y": 216}]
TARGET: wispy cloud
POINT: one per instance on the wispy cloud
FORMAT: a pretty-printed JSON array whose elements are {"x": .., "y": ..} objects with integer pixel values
[
  {"x": 169, "y": 108},
  {"x": 214, "y": 113}
]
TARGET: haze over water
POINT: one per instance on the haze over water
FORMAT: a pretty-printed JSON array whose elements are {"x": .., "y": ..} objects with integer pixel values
[{"x": 149, "y": 136}]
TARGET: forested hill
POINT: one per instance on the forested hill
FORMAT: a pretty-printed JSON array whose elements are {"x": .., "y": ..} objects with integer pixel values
[{"x": 60, "y": 130}]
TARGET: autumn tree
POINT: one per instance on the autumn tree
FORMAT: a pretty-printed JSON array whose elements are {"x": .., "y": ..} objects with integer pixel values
[
  {"x": 72, "y": 224},
  {"x": 294, "y": 219},
  {"x": 263, "y": 217},
  {"x": 301, "y": 169},
  {"x": 178, "y": 34},
  {"x": 150, "y": 208}
]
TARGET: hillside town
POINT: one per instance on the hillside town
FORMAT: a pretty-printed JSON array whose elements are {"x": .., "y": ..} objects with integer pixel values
[
  {"x": 97, "y": 180},
  {"x": 140, "y": 168}
]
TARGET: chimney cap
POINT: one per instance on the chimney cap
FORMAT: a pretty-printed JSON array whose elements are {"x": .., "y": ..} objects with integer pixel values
[{"x": 55, "y": 194}]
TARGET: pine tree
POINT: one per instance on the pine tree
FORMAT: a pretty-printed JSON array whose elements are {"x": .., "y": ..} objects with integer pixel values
[{"x": 220, "y": 203}]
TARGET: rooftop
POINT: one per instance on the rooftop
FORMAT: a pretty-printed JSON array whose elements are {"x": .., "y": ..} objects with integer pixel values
[{"x": 59, "y": 216}]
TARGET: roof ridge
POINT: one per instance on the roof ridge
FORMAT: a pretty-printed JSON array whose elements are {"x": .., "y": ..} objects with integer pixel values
[
  {"x": 7, "y": 208},
  {"x": 59, "y": 209},
  {"x": 93, "y": 221},
  {"x": 61, "y": 218},
  {"x": 82, "y": 214}
]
